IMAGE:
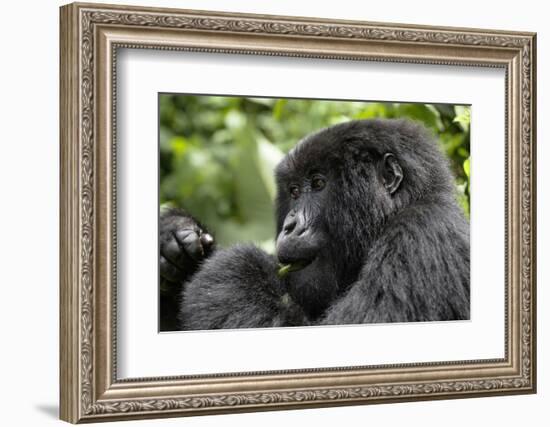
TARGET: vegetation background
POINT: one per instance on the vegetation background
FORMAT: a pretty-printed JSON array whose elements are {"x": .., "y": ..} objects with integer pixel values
[{"x": 217, "y": 154}]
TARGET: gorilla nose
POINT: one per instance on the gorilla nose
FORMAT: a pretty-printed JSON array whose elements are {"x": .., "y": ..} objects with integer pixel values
[
  {"x": 294, "y": 226},
  {"x": 297, "y": 241}
]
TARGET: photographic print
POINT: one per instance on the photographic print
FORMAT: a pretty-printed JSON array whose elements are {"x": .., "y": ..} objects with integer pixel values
[
  {"x": 282, "y": 212},
  {"x": 267, "y": 212}
]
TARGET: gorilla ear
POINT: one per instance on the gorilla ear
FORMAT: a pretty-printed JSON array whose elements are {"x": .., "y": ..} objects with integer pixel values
[{"x": 392, "y": 174}]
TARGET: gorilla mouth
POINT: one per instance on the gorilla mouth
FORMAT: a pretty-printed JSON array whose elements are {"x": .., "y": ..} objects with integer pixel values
[{"x": 285, "y": 269}]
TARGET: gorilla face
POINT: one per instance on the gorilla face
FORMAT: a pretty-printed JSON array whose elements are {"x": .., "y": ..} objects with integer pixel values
[
  {"x": 303, "y": 233},
  {"x": 304, "y": 244},
  {"x": 304, "y": 241},
  {"x": 323, "y": 229}
]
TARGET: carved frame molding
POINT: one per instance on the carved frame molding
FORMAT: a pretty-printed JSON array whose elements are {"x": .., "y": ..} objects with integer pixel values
[{"x": 90, "y": 37}]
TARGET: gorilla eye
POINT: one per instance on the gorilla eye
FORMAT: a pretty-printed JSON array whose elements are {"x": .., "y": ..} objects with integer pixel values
[
  {"x": 317, "y": 183},
  {"x": 294, "y": 191}
]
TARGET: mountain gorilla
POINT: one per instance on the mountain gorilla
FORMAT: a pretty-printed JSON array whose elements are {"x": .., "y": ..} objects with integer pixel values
[{"x": 368, "y": 230}]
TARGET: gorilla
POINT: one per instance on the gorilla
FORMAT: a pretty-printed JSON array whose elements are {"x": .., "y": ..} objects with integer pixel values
[{"x": 368, "y": 230}]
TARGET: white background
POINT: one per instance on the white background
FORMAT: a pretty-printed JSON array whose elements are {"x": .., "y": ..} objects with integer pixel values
[
  {"x": 141, "y": 348},
  {"x": 29, "y": 170}
]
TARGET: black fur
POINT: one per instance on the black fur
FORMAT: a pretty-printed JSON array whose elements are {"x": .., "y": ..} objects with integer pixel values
[
  {"x": 183, "y": 246},
  {"x": 238, "y": 288},
  {"x": 389, "y": 242}
]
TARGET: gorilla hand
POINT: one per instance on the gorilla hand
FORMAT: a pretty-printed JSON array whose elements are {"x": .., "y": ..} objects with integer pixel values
[{"x": 183, "y": 245}]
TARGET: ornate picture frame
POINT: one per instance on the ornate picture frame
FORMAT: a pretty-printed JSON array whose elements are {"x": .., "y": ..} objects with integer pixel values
[{"x": 90, "y": 37}]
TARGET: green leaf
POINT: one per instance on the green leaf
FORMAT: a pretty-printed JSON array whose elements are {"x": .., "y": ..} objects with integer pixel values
[
  {"x": 268, "y": 157},
  {"x": 252, "y": 190},
  {"x": 462, "y": 116},
  {"x": 179, "y": 145},
  {"x": 235, "y": 119},
  {"x": 466, "y": 166}
]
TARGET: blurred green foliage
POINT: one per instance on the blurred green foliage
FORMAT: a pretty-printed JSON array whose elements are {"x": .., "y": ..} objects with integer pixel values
[{"x": 217, "y": 154}]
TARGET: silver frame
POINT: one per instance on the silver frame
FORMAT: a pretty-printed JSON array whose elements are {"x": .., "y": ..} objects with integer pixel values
[{"x": 90, "y": 37}]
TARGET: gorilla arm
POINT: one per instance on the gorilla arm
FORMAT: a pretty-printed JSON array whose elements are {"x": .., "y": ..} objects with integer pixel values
[
  {"x": 238, "y": 287},
  {"x": 417, "y": 270}
]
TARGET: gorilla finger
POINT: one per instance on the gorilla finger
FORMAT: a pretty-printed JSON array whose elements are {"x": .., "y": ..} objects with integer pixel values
[
  {"x": 173, "y": 252},
  {"x": 183, "y": 233},
  {"x": 190, "y": 241},
  {"x": 168, "y": 271},
  {"x": 207, "y": 242}
]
